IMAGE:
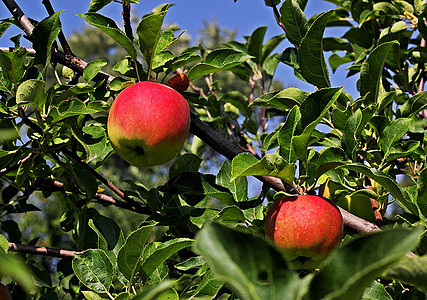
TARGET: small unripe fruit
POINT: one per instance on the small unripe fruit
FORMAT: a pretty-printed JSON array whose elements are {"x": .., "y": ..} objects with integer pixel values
[
  {"x": 148, "y": 123},
  {"x": 306, "y": 228},
  {"x": 179, "y": 82}
]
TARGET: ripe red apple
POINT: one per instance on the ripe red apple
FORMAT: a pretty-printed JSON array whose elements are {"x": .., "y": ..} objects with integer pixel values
[
  {"x": 148, "y": 123},
  {"x": 306, "y": 227}
]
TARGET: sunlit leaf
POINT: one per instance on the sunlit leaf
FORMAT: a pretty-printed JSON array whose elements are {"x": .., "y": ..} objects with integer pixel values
[
  {"x": 93, "y": 268},
  {"x": 218, "y": 59},
  {"x": 109, "y": 27}
]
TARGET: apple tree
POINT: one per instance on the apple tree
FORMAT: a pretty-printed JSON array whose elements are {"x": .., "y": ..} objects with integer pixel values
[{"x": 200, "y": 233}]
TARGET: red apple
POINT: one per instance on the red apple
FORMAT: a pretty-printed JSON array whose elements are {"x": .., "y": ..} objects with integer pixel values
[
  {"x": 306, "y": 227},
  {"x": 148, "y": 123}
]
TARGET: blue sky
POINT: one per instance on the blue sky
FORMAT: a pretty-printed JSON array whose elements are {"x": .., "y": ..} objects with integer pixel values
[{"x": 244, "y": 16}]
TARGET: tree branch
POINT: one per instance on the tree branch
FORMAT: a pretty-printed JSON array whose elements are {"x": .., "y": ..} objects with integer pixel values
[
  {"x": 55, "y": 185},
  {"x": 126, "y": 20},
  {"x": 44, "y": 251},
  {"x": 20, "y": 17}
]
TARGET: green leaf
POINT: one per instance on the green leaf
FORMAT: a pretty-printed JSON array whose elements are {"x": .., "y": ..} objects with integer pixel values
[
  {"x": 110, "y": 236},
  {"x": 376, "y": 291},
  {"x": 94, "y": 139},
  {"x": 414, "y": 105},
  {"x": 255, "y": 43},
  {"x": 238, "y": 100},
  {"x": 68, "y": 109},
  {"x": 23, "y": 172},
  {"x": 411, "y": 270},
  {"x": 84, "y": 180},
  {"x": 329, "y": 159},
  {"x": 372, "y": 70},
  {"x": 218, "y": 59},
  {"x": 109, "y": 27},
  {"x": 315, "y": 106},
  {"x": 13, "y": 266},
  {"x": 352, "y": 130},
  {"x": 353, "y": 267},
  {"x": 153, "y": 292},
  {"x": 96, "y": 5},
  {"x": 294, "y": 20},
  {"x": 261, "y": 273},
  {"x": 312, "y": 62},
  {"x": 4, "y": 243},
  {"x": 272, "y": 164},
  {"x": 237, "y": 187},
  {"x": 182, "y": 60},
  {"x": 290, "y": 128},
  {"x": 209, "y": 286},
  {"x": 130, "y": 255},
  {"x": 270, "y": 45},
  {"x": 387, "y": 182},
  {"x": 44, "y": 35},
  {"x": 93, "y": 68},
  {"x": 148, "y": 30},
  {"x": 392, "y": 133},
  {"x": 32, "y": 92},
  {"x": 12, "y": 65},
  {"x": 422, "y": 192},
  {"x": 284, "y": 99},
  {"x": 185, "y": 163},
  {"x": 94, "y": 269},
  {"x": 162, "y": 252}
]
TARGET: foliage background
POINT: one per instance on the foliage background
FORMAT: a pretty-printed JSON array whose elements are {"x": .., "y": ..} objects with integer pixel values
[{"x": 58, "y": 170}]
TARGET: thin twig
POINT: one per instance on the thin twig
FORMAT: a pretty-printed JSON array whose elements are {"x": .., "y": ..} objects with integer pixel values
[
  {"x": 277, "y": 15},
  {"x": 55, "y": 185},
  {"x": 44, "y": 251},
  {"x": 14, "y": 167},
  {"x": 101, "y": 178}
]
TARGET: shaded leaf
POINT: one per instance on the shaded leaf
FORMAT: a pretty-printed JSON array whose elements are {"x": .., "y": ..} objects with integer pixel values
[
  {"x": 161, "y": 253},
  {"x": 353, "y": 267},
  {"x": 32, "y": 92},
  {"x": 411, "y": 270},
  {"x": 261, "y": 273},
  {"x": 371, "y": 71},
  {"x": 310, "y": 54},
  {"x": 387, "y": 182},
  {"x": 44, "y": 35}
]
